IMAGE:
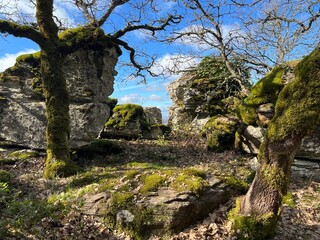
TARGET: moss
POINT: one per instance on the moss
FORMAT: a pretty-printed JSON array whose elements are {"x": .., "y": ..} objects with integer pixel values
[
  {"x": 32, "y": 58},
  {"x": 288, "y": 200},
  {"x": 220, "y": 132},
  {"x": 264, "y": 91},
  {"x": 152, "y": 182},
  {"x": 236, "y": 183},
  {"x": 57, "y": 168},
  {"x": 124, "y": 113},
  {"x": 185, "y": 182},
  {"x": 130, "y": 174},
  {"x": 23, "y": 155},
  {"x": 252, "y": 227},
  {"x": 297, "y": 110},
  {"x": 274, "y": 176},
  {"x": 194, "y": 172},
  {"x": 5, "y": 176}
]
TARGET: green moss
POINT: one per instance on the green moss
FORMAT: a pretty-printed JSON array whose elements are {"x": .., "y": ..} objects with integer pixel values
[
  {"x": 252, "y": 227},
  {"x": 274, "y": 176},
  {"x": 236, "y": 183},
  {"x": 124, "y": 113},
  {"x": 264, "y": 91},
  {"x": 5, "y": 176},
  {"x": 32, "y": 58},
  {"x": 288, "y": 200},
  {"x": 185, "y": 182},
  {"x": 23, "y": 155},
  {"x": 130, "y": 174},
  {"x": 297, "y": 110},
  {"x": 194, "y": 172},
  {"x": 220, "y": 132},
  {"x": 152, "y": 182}
]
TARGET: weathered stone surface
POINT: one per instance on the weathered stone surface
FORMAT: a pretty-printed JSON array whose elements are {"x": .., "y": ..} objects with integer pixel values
[
  {"x": 153, "y": 115},
  {"x": 252, "y": 137},
  {"x": 89, "y": 74},
  {"x": 306, "y": 169},
  {"x": 131, "y": 121}
]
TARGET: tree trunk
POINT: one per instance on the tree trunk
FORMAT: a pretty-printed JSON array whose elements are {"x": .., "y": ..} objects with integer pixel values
[
  {"x": 297, "y": 114},
  {"x": 57, "y": 112}
]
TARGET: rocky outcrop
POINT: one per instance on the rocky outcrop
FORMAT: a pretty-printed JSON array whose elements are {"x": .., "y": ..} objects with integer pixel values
[
  {"x": 258, "y": 109},
  {"x": 131, "y": 121},
  {"x": 202, "y": 92},
  {"x": 89, "y": 73}
]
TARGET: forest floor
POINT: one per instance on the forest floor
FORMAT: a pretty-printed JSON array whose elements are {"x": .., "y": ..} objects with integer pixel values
[{"x": 26, "y": 214}]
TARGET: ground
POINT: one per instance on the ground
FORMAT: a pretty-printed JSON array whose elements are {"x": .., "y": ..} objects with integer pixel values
[{"x": 26, "y": 211}]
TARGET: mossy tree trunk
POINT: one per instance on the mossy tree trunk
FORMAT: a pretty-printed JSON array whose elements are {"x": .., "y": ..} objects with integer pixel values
[
  {"x": 56, "y": 94},
  {"x": 297, "y": 114}
]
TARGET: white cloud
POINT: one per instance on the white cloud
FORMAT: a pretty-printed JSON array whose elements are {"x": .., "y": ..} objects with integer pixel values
[
  {"x": 9, "y": 59},
  {"x": 155, "y": 97},
  {"x": 131, "y": 98},
  {"x": 171, "y": 65},
  {"x": 27, "y": 10}
]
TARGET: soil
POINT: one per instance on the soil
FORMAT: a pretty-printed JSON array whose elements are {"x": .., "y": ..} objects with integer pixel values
[{"x": 299, "y": 220}]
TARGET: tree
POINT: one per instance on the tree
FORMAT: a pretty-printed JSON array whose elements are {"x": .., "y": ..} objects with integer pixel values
[
  {"x": 54, "y": 48},
  {"x": 297, "y": 113}
]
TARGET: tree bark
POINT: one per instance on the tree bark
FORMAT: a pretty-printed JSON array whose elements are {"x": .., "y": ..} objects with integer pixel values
[
  {"x": 296, "y": 115},
  {"x": 56, "y": 95}
]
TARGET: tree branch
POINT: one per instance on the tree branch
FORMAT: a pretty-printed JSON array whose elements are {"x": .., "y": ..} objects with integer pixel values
[
  {"x": 164, "y": 23},
  {"x": 22, "y": 31},
  {"x": 114, "y": 5}
]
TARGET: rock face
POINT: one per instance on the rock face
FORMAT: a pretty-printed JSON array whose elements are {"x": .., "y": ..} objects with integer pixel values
[
  {"x": 258, "y": 109},
  {"x": 131, "y": 121},
  {"x": 153, "y": 115},
  {"x": 89, "y": 73}
]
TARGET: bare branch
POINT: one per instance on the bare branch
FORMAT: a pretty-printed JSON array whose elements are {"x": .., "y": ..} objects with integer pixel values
[
  {"x": 114, "y": 5},
  {"x": 149, "y": 27}
]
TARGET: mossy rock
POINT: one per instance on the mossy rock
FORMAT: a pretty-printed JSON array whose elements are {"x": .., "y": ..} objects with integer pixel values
[
  {"x": 220, "y": 132},
  {"x": 124, "y": 113},
  {"x": 33, "y": 59}
]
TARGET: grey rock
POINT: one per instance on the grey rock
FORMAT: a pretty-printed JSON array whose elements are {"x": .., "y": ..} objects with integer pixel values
[
  {"x": 306, "y": 169},
  {"x": 89, "y": 75},
  {"x": 153, "y": 115},
  {"x": 251, "y": 139}
]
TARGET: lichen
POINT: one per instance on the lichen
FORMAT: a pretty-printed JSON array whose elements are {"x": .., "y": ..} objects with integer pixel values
[{"x": 252, "y": 227}]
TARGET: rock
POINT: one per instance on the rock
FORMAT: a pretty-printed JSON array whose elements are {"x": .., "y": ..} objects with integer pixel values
[
  {"x": 129, "y": 121},
  {"x": 220, "y": 132},
  {"x": 265, "y": 113},
  {"x": 89, "y": 75},
  {"x": 153, "y": 115},
  {"x": 251, "y": 138},
  {"x": 306, "y": 169},
  {"x": 180, "y": 210},
  {"x": 310, "y": 147}
]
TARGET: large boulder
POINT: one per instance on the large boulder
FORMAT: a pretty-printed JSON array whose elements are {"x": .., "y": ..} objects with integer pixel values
[
  {"x": 132, "y": 121},
  {"x": 89, "y": 74},
  {"x": 203, "y": 92}
]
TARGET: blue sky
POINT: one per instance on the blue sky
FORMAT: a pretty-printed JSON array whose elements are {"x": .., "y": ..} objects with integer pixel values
[{"x": 128, "y": 90}]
